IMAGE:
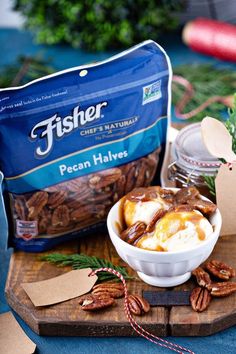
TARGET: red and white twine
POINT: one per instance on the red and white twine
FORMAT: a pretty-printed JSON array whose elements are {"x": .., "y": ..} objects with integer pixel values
[{"x": 137, "y": 328}]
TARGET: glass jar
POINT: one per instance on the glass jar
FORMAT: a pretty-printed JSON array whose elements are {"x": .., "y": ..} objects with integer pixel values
[{"x": 190, "y": 160}]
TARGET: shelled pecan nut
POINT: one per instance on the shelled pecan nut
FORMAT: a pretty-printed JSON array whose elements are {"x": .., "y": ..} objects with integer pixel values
[
  {"x": 61, "y": 216},
  {"x": 200, "y": 299},
  {"x": 222, "y": 289},
  {"x": 132, "y": 233},
  {"x": 186, "y": 194},
  {"x": 151, "y": 166},
  {"x": 100, "y": 197},
  {"x": 202, "y": 277},
  {"x": 158, "y": 215},
  {"x": 104, "y": 178},
  {"x": 92, "y": 302},
  {"x": 140, "y": 173},
  {"x": 120, "y": 187},
  {"x": 20, "y": 208},
  {"x": 57, "y": 198},
  {"x": 85, "y": 211},
  {"x": 220, "y": 270},
  {"x": 204, "y": 206},
  {"x": 36, "y": 203},
  {"x": 138, "y": 305},
  {"x": 130, "y": 179},
  {"x": 115, "y": 290},
  {"x": 75, "y": 185}
]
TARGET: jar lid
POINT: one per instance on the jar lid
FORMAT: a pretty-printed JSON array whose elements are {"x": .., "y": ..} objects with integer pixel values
[{"x": 190, "y": 153}]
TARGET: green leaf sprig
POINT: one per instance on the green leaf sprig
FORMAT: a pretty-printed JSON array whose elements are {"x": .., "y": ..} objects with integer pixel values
[
  {"x": 231, "y": 126},
  {"x": 81, "y": 261}
]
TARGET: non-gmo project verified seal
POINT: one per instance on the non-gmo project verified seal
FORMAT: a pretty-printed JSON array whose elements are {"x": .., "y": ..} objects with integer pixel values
[{"x": 152, "y": 92}]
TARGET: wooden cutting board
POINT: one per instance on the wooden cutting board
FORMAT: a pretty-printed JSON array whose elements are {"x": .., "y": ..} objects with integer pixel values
[{"x": 67, "y": 319}]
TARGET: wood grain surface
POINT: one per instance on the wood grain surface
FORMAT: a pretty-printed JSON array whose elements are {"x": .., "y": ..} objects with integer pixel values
[{"x": 67, "y": 318}]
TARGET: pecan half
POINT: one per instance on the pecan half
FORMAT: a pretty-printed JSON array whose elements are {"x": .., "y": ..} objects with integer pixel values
[
  {"x": 138, "y": 305},
  {"x": 180, "y": 207},
  {"x": 132, "y": 233},
  {"x": 104, "y": 178},
  {"x": 168, "y": 195},
  {"x": 151, "y": 161},
  {"x": 130, "y": 179},
  {"x": 120, "y": 187},
  {"x": 20, "y": 208},
  {"x": 115, "y": 290},
  {"x": 200, "y": 299},
  {"x": 86, "y": 211},
  {"x": 53, "y": 230},
  {"x": 143, "y": 194},
  {"x": 56, "y": 199},
  {"x": 75, "y": 185},
  {"x": 202, "y": 277},
  {"x": 140, "y": 173},
  {"x": 36, "y": 203},
  {"x": 44, "y": 220},
  {"x": 100, "y": 197},
  {"x": 186, "y": 194},
  {"x": 220, "y": 270},
  {"x": 204, "y": 206},
  {"x": 61, "y": 216},
  {"x": 92, "y": 302},
  {"x": 158, "y": 215},
  {"x": 222, "y": 289}
]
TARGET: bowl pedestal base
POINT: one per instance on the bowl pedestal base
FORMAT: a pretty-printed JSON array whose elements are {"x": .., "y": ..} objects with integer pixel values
[{"x": 164, "y": 281}]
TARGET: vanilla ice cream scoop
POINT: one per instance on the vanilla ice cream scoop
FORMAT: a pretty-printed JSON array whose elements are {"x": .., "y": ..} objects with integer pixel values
[
  {"x": 177, "y": 231},
  {"x": 143, "y": 211}
]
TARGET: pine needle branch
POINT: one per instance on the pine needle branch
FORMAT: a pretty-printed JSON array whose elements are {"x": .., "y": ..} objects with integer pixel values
[
  {"x": 231, "y": 126},
  {"x": 81, "y": 261}
]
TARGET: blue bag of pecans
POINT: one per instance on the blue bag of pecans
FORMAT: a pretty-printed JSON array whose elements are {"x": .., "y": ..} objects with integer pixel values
[{"x": 74, "y": 142}]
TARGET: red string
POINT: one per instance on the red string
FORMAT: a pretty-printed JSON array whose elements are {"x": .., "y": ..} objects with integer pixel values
[
  {"x": 137, "y": 328},
  {"x": 188, "y": 95}
]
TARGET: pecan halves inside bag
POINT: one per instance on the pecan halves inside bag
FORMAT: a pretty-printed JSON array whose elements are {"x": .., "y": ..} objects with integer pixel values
[
  {"x": 36, "y": 203},
  {"x": 83, "y": 201}
]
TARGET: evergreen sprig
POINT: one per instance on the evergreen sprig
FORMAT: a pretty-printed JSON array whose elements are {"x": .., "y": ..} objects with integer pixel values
[
  {"x": 81, "y": 261},
  {"x": 207, "y": 80},
  {"x": 231, "y": 126},
  {"x": 210, "y": 182}
]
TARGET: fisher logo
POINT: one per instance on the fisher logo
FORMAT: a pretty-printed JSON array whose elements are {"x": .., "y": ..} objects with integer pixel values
[
  {"x": 57, "y": 127},
  {"x": 152, "y": 92}
]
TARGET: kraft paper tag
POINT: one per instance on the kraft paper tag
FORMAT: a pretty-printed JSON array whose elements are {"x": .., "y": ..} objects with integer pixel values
[
  {"x": 13, "y": 339},
  {"x": 62, "y": 288},
  {"x": 225, "y": 184}
]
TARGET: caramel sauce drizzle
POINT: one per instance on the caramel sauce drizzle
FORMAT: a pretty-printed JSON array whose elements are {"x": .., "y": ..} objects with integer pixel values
[{"x": 151, "y": 193}]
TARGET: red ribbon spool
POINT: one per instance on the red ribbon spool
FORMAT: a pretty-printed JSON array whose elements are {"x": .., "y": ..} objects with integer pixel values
[{"x": 211, "y": 37}]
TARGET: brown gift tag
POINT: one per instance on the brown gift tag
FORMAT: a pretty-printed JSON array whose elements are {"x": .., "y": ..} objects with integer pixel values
[
  {"x": 226, "y": 197},
  {"x": 13, "y": 339},
  {"x": 62, "y": 288}
]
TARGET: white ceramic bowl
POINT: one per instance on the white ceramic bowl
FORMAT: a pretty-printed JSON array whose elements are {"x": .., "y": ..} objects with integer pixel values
[{"x": 162, "y": 268}]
